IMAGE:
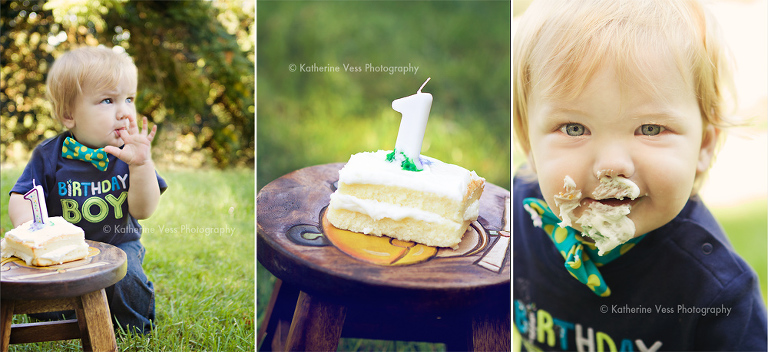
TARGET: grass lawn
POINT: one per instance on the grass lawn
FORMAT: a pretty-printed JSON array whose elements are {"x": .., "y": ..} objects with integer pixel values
[
  {"x": 747, "y": 229},
  {"x": 204, "y": 284}
]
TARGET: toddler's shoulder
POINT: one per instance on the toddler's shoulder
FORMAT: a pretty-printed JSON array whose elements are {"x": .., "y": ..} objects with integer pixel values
[
  {"x": 51, "y": 145},
  {"x": 698, "y": 235}
]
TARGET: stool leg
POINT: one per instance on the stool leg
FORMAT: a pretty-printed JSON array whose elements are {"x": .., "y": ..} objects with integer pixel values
[
  {"x": 98, "y": 321},
  {"x": 265, "y": 327},
  {"x": 316, "y": 325},
  {"x": 6, "y": 319},
  {"x": 82, "y": 325},
  {"x": 277, "y": 320}
]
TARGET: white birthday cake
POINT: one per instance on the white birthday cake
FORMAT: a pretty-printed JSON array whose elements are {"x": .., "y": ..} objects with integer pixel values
[
  {"x": 434, "y": 206},
  {"x": 56, "y": 242}
]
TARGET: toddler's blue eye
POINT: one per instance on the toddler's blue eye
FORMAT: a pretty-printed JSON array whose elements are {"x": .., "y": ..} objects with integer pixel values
[
  {"x": 651, "y": 130},
  {"x": 573, "y": 129},
  {"x": 129, "y": 100},
  {"x": 107, "y": 101}
]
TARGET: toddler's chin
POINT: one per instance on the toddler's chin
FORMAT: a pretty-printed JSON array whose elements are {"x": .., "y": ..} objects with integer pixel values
[{"x": 118, "y": 142}]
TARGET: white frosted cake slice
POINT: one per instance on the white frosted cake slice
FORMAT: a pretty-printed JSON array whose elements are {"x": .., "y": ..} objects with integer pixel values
[
  {"x": 57, "y": 242},
  {"x": 433, "y": 206}
]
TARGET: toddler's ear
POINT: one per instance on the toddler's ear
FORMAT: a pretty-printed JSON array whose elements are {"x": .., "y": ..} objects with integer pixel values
[
  {"x": 68, "y": 121},
  {"x": 708, "y": 146}
]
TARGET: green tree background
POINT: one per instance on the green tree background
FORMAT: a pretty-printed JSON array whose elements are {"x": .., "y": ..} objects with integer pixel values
[
  {"x": 196, "y": 72},
  {"x": 309, "y": 118}
]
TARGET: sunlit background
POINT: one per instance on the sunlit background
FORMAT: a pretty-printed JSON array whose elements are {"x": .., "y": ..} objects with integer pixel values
[{"x": 195, "y": 62}]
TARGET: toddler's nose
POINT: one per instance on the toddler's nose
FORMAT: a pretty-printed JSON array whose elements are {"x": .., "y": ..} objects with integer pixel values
[
  {"x": 123, "y": 112},
  {"x": 614, "y": 161}
]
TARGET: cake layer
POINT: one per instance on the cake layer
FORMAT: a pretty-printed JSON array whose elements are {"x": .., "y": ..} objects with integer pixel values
[
  {"x": 45, "y": 256},
  {"x": 57, "y": 242},
  {"x": 442, "y": 233},
  {"x": 457, "y": 211},
  {"x": 433, "y": 206}
]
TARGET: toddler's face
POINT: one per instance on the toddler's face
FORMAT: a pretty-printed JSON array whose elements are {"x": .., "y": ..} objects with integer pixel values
[
  {"x": 99, "y": 113},
  {"x": 655, "y": 140}
]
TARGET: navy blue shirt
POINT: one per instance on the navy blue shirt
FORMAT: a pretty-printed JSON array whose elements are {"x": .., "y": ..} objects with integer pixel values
[
  {"x": 682, "y": 288},
  {"x": 97, "y": 201}
]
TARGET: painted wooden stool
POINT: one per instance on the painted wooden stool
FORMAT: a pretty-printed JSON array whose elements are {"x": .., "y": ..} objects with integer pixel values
[
  {"x": 77, "y": 285},
  {"x": 334, "y": 283}
]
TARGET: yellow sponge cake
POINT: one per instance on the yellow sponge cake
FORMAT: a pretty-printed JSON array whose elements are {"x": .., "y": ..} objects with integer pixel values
[
  {"x": 433, "y": 206},
  {"x": 57, "y": 242}
]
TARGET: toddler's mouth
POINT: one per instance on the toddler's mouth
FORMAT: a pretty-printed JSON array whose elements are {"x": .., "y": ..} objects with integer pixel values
[
  {"x": 604, "y": 218},
  {"x": 613, "y": 202}
]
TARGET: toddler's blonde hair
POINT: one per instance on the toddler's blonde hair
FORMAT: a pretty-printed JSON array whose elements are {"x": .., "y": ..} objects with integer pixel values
[
  {"x": 93, "y": 67},
  {"x": 560, "y": 44}
]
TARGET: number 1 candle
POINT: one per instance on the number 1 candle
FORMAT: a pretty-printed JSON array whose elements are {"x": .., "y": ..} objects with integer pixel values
[
  {"x": 36, "y": 196},
  {"x": 415, "y": 109}
]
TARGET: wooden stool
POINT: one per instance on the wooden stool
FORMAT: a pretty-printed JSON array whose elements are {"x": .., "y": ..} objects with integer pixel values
[
  {"x": 335, "y": 283},
  {"x": 77, "y": 286}
]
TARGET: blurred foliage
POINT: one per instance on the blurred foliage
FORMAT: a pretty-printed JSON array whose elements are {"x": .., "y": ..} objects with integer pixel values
[
  {"x": 195, "y": 61},
  {"x": 309, "y": 118}
]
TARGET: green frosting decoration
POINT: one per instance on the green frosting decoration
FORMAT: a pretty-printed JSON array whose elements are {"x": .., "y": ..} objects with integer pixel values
[
  {"x": 407, "y": 163},
  {"x": 391, "y": 156}
]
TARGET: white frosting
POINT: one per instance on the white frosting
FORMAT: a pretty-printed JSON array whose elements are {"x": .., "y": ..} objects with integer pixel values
[
  {"x": 608, "y": 225},
  {"x": 7, "y": 252},
  {"x": 568, "y": 201},
  {"x": 72, "y": 251},
  {"x": 616, "y": 187},
  {"x": 439, "y": 178},
  {"x": 473, "y": 211},
  {"x": 378, "y": 210},
  {"x": 55, "y": 226}
]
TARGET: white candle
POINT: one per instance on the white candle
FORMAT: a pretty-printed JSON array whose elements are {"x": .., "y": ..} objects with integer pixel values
[
  {"x": 36, "y": 196},
  {"x": 415, "y": 109}
]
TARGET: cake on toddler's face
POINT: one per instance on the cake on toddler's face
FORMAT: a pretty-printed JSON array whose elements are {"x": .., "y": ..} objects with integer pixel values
[
  {"x": 605, "y": 217},
  {"x": 56, "y": 242},
  {"x": 378, "y": 194}
]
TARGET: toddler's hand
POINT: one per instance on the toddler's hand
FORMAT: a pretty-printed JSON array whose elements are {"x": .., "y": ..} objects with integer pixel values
[{"x": 138, "y": 144}]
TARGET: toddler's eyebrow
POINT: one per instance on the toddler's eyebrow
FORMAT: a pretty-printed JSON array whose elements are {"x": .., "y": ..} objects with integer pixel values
[
  {"x": 659, "y": 115},
  {"x": 114, "y": 92},
  {"x": 106, "y": 92},
  {"x": 566, "y": 110}
]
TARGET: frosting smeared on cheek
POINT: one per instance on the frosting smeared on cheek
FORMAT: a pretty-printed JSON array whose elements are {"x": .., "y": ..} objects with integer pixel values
[{"x": 568, "y": 201}]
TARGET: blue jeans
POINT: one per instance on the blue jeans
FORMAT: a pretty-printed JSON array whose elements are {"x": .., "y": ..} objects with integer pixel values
[{"x": 131, "y": 300}]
